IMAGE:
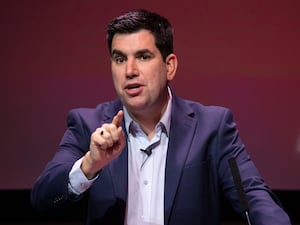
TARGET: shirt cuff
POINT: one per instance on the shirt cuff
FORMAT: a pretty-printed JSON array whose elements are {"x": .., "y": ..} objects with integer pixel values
[{"x": 78, "y": 182}]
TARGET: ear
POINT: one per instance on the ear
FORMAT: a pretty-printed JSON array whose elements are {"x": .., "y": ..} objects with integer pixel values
[{"x": 171, "y": 63}]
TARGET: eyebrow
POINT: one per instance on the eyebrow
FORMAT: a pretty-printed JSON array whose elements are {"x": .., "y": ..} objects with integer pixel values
[
  {"x": 117, "y": 52},
  {"x": 139, "y": 52}
]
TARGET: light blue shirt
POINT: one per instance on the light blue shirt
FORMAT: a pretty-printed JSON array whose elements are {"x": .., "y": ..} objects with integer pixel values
[{"x": 146, "y": 174}]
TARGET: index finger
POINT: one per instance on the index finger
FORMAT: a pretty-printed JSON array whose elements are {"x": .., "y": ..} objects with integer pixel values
[{"x": 118, "y": 119}]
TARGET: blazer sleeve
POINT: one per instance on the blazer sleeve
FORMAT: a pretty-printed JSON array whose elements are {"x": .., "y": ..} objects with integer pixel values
[
  {"x": 264, "y": 207},
  {"x": 50, "y": 190}
]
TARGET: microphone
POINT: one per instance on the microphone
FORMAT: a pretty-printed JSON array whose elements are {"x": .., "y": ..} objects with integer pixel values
[
  {"x": 148, "y": 150},
  {"x": 239, "y": 187}
]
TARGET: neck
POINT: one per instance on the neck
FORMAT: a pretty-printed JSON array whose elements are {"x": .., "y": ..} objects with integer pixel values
[{"x": 147, "y": 119}]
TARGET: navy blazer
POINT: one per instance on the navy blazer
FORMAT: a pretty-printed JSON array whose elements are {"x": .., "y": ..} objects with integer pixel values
[{"x": 202, "y": 140}]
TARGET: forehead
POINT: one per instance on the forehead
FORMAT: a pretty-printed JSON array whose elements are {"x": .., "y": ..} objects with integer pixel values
[{"x": 137, "y": 40}]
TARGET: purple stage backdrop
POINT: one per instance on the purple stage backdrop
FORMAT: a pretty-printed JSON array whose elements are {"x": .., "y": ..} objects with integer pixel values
[{"x": 240, "y": 54}]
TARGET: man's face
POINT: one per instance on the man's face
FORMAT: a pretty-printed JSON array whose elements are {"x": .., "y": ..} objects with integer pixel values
[{"x": 140, "y": 74}]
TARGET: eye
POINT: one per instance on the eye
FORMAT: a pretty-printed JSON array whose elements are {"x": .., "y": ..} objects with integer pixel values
[
  {"x": 144, "y": 57},
  {"x": 118, "y": 59}
]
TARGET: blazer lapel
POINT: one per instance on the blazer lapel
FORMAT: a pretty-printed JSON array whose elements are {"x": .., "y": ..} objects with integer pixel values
[
  {"x": 181, "y": 133},
  {"x": 119, "y": 174}
]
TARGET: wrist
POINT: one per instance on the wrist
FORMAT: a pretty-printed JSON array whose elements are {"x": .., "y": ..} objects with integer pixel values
[{"x": 88, "y": 167}]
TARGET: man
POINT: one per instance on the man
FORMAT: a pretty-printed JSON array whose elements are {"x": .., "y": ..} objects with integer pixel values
[{"x": 150, "y": 157}]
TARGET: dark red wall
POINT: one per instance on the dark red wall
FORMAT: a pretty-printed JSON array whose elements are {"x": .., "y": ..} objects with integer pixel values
[{"x": 240, "y": 54}]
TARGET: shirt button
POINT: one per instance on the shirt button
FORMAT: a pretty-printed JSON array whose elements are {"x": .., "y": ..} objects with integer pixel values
[{"x": 145, "y": 182}]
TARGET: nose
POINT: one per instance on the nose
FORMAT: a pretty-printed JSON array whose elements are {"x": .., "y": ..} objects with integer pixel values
[{"x": 131, "y": 68}]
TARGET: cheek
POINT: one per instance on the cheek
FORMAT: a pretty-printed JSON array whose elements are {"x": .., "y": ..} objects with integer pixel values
[
  {"x": 116, "y": 73},
  {"x": 158, "y": 82},
  {"x": 161, "y": 76},
  {"x": 116, "y": 80},
  {"x": 158, "y": 71}
]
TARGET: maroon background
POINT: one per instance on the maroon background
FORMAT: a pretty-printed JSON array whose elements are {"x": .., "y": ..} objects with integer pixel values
[{"x": 240, "y": 54}]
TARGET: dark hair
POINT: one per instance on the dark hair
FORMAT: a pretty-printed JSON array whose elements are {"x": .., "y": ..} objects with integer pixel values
[{"x": 136, "y": 20}]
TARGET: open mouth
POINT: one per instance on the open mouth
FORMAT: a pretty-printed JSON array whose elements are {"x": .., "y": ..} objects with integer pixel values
[{"x": 131, "y": 87}]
